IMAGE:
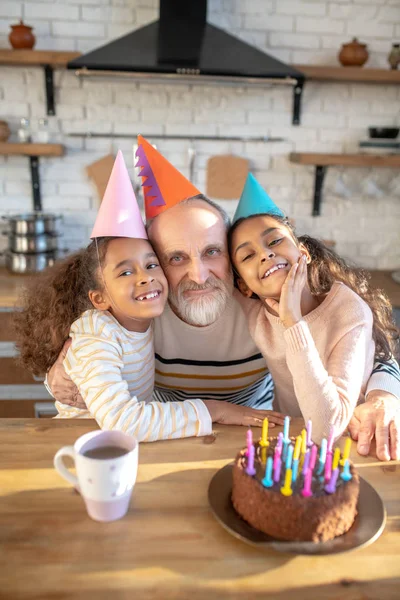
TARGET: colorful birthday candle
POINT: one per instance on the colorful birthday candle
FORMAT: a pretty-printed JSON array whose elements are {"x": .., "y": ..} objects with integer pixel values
[
  {"x": 331, "y": 439},
  {"x": 328, "y": 466},
  {"x": 264, "y": 434},
  {"x": 263, "y": 455},
  {"x": 313, "y": 456},
  {"x": 346, "y": 451},
  {"x": 336, "y": 457},
  {"x": 286, "y": 490},
  {"x": 267, "y": 480},
  {"x": 306, "y": 491},
  {"x": 278, "y": 447},
  {"x": 286, "y": 424},
  {"x": 289, "y": 457},
  {"x": 250, "y": 470},
  {"x": 277, "y": 468},
  {"x": 303, "y": 441},
  {"x": 296, "y": 455},
  {"x": 330, "y": 488},
  {"x": 249, "y": 440},
  {"x": 306, "y": 462},
  {"x": 322, "y": 456},
  {"x": 346, "y": 475},
  {"x": 309, "y": 432}
]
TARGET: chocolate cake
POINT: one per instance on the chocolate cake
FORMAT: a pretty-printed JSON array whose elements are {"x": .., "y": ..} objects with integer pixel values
[{"x": 319, "y": 517}]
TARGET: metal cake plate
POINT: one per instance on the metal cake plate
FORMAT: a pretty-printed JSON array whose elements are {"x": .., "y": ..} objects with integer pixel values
[{"x": 367, "y": 527}]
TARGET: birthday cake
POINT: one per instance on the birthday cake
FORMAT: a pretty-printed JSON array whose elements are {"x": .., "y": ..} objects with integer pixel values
[{"x": 308, "y": 495}]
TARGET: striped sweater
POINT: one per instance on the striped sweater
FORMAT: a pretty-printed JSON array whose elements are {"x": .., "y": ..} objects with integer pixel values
[{"x": 113, "y": 369}]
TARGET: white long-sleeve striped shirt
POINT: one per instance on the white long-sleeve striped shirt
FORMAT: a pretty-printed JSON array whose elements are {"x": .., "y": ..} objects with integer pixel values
[{"x": 113, "y": 369}]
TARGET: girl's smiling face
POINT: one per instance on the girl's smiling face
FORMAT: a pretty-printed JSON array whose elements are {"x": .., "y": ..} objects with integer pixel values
[
  {"x": 263, "y": 250},
  {"x": 134, "y": 285}
]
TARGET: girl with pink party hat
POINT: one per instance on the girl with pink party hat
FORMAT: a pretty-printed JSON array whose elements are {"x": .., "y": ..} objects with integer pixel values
[{"x": 105, "y": 298}]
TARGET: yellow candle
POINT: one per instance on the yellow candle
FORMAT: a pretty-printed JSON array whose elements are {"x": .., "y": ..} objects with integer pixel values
[
  {"x": 296, "y": 451},
  {"x": 346, "y": 451},
  {"x": 263, "y": 455},
  {"x": 264, "y": 434},
  {"x": 303, "y": 441},
  {"x": 286, "y": 490},
  {"x": 335, "y": 460}
]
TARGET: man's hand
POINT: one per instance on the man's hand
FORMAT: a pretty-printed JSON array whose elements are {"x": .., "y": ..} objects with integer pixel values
[
  {"x": 233, "y": 414},
  {"x": 62, "y": 387},
  {"x": 378, "y": 416}
]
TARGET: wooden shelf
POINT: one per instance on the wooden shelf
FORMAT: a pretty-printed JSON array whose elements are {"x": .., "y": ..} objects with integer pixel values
[
  {"x": 37, "y": 58},
  {"x": 322, "y": 161},
  {"x": 31, "y": 149},
  {"x": 391, "y": 161},
  {"x": 350, "y": 74}
]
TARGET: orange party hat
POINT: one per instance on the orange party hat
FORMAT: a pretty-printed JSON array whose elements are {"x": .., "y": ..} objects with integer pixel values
[
  {"x": 163, "y": 185},
  {"x": 119, "y": 214}
]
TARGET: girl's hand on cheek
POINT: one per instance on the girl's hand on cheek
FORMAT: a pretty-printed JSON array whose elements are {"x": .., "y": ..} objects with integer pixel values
[{"x": 289, "y": 305}]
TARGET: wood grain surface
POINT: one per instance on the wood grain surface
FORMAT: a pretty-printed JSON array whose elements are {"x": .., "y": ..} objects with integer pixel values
[{"x": 168, "y": 545}]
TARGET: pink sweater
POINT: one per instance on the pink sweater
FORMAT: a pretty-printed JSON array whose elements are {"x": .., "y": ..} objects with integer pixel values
[{"x": 321, "y": 365}]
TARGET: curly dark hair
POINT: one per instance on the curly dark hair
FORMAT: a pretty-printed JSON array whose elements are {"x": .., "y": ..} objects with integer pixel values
[
  {"x": 52, "y": 301},
  {"x": 325, "y": 268}
]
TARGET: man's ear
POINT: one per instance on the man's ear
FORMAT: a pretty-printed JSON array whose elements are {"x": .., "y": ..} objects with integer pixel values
[
  {"x": 243, "y": 288},
  {"x": 304, "y": 251},
  {"x": 99, "y": 300}
]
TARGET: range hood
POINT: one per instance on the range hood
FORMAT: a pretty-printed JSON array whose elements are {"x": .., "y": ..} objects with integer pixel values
[{"x": 182, "y": 46}]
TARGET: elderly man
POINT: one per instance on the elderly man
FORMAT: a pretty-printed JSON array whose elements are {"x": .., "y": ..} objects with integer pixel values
[{"x": 202, "y": 343}]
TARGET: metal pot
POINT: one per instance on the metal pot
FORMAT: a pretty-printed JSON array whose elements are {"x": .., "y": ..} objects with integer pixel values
[
  {"x": 29, "y": 263},
  {"x": 31, "y": 244},
  {"x": 33, "y": 223}
]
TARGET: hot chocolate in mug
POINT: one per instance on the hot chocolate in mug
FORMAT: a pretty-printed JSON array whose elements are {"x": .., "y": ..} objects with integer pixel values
[{"x": 106, "y": 467}]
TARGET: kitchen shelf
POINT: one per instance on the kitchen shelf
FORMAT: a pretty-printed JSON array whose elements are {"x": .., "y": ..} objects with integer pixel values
[
  {"x": 48, "y": 59},
  {"x": 33, "y": 151},
  {"x": 323, "y": 161},
  {"x": 349, "y": 74}
]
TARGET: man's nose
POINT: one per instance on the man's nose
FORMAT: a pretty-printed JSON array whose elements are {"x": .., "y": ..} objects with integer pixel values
[{"x": 198, "y": 271}]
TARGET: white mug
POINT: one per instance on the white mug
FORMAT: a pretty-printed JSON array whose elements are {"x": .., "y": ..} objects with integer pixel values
[{"x": 106, "y": 484}]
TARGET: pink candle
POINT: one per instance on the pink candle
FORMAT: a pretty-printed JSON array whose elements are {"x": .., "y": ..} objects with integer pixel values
[
  {"x": 249, "y": 440},
  {"x": 328, "y": 466},
  {"x": 277, "y": 468},
  {"x": 313, "y": 457},
  {"x": 306, "y": 462},
  {"x": 309, "y": 430},
  {"x": 279, "y": 444},
  {"x": 306, "y": 491},
  {"x": 250, "y": 470}
]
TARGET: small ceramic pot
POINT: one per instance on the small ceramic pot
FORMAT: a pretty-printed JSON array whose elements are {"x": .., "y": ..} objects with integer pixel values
[
  {"x": 4, "y": 131},
  {"x": 21, "y": 36},
  {"x": 353, "y": 54},
  {"x": 394, "y": 56}
]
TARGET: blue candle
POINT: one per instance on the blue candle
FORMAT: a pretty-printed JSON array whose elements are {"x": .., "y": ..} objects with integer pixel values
[
  {"x": 286, "y": 424},
  {"x": 295, "y": 469},
  {"x": 322, "y": 456},
  {"x": 289, "y": 457},
  {"x": 267, "y": 481},
  {"x": 250, "y": 470},
  {"x": 346, "y": 475}
]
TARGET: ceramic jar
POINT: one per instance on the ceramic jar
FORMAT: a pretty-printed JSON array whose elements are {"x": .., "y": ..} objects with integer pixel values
[
  {"x": 394, "y": 56},
  {"x": 21, "y": 36},
  {"x": 4, "y": 131},
  {"x": 353, "y": 54}
]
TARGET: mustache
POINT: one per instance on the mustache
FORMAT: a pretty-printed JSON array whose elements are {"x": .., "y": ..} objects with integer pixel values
[{"x": 211, "y": 282}]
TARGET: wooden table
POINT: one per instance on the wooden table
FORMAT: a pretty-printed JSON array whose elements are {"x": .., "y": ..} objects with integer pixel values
[{"x": 168, "y": 545}]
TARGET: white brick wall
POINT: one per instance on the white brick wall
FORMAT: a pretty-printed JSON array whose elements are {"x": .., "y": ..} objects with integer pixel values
[{"x": 361, "y": 207}]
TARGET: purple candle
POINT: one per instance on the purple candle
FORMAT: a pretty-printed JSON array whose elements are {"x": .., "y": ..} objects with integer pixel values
[
  {"x": 279, "y": 444},
  {"x": 313, "y": 457},
  {"x": 306, "y": 462},
  {"x": 330, "y": 488},
  {"x": 306, "y": 491},
  {"x": 249, "y": 440},
  {"x": 309, "y": 431},
  {"x": 277, "y": 468},
  {"x": 328, "y": 466},
  {"x": 250, "y": 470}
]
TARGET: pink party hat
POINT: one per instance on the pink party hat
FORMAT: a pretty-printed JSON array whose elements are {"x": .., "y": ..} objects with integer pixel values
[{"x": 119, "y": 214}]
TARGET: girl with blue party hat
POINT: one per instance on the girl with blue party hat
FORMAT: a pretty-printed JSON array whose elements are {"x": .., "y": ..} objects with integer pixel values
[{"x": 315, "y": 319}]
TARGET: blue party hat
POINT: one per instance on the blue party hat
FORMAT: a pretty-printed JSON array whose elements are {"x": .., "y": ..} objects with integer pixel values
[{"x": 255, "y": 201}]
